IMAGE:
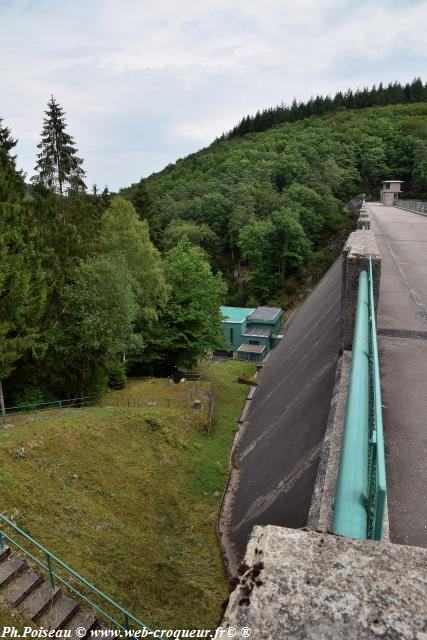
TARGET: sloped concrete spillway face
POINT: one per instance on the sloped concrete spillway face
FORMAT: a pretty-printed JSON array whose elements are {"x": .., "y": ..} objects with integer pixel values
[{"x": 278, "y": 451}]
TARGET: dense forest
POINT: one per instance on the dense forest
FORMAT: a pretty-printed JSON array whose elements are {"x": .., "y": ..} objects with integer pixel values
[
  {"x": 266, "y": 205},
  {"x": 94, "y": 285},
  {"x": 393, "y": 93},
  {"x": 83, "y": 290}
]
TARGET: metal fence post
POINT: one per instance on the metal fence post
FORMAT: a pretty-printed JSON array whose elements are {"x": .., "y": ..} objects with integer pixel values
[{"x": 51, "y": 576}]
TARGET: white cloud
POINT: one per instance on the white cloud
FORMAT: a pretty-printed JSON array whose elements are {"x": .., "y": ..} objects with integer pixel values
[{"x": 144, "y": 83}]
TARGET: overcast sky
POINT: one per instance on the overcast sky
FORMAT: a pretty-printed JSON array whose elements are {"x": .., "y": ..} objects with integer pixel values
[{"x": 145, "y": 82}]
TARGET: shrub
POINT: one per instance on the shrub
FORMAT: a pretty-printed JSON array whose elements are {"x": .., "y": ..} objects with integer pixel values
[
  {"x": 29, "y": 396},
  {"x": 116, "y": 375}
]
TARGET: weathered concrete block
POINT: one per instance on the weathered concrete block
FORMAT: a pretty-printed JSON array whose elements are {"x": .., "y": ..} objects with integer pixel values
[
  {"x": 364, "y": 222},
  {"x": 303, "y": 585},
  {"x": 360, "y": 246}
]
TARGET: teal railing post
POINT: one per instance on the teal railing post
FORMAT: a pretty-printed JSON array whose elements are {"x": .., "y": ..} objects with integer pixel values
[
  {"x": 350, "y": 512},
  {"x": 49, "y": 567}
]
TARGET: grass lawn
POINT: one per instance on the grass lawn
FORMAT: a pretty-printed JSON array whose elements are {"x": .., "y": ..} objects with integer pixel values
[
  {"x": 12, "y": 618},
  {"x": 129, "y": 498}
]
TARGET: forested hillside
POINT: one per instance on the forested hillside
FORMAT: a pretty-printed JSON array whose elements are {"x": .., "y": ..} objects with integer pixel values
[
  {"x": 266, "y": 205},
  {"x": 393, "y": 93},
  {"x": 94, "y": 285}
]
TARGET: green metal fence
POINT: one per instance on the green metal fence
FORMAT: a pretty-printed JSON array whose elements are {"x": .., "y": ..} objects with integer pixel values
[
  {"x": 60, "y": 405},
  {"x": 60, "y": 573},
  {"x": 412, "y": 205},
  {"x": 90, "y": 401},
  {"x": 361, "y": 486}
]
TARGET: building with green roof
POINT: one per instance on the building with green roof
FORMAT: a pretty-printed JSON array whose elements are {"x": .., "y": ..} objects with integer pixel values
[{"x": 251, "y": 333}]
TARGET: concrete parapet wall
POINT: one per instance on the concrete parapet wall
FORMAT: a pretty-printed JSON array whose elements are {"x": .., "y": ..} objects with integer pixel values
[
  {"x": 301, "y": 585},
  {"x": 321, "y": 510},
  {"x": 360, "y": 246},
  {"x": 364, "y": 221}
]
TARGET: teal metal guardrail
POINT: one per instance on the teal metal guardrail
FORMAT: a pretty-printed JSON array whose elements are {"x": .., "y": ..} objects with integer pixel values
[
  {"x": 377, "y": 484},
  {"x": 361, "y": 487},
  {"x": 52, "y": 565},
  {"x": 412, "y": 205}
]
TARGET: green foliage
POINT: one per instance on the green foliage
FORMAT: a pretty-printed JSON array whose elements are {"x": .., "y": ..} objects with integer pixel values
[
  {"x": 116, "y": 375},
  {"x": 190, "y": 322},
  {"x": 125, "y": 239},
  {"x": 419, "y": 173},
  {"x": 311, "y": 167},
  {"x": 274, "y": 247},
  {"x": 198, "y": 234},
  {"x": 82, "y": 285},
  {"x": 100, "y": 311},
  {"x": 30, "y": 396},
  {"x": 141, "y": 201},
  {"x": 58, "y": 167},
  {"x": 22, "y": 280},
  {"x": 394, "y": 93}
]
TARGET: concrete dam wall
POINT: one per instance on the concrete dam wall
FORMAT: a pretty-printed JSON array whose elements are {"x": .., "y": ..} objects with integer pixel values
[{"x": 279, "y": 440}]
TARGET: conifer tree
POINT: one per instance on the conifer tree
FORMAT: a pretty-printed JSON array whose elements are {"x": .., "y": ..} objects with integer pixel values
[
  {"x": 58, "y": 167},
  {"x": 22, "y": 287}
]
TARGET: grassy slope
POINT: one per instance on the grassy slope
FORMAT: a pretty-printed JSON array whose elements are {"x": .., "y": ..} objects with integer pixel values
[{"x": 130, "y": 507}]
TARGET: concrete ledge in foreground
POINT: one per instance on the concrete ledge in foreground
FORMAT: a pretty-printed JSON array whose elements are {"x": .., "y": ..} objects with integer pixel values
[{"x": 304, "y": 585}]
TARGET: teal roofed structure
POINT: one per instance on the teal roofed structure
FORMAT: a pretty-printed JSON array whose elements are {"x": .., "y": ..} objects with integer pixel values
[
  {"x": 236, "y": 314},
  {"x": 251, "y": 333}
]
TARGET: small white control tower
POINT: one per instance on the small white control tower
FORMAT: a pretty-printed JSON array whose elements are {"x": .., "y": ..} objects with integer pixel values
[{"x": 390, "y": 191}]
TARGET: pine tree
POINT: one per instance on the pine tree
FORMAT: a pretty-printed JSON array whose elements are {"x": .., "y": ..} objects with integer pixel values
[
  {"x": 11, "y": 181},
  {"x": 58, "y": 167},
  {"x": 22, "y": 288},
  {"x": 141, "y": 200}
]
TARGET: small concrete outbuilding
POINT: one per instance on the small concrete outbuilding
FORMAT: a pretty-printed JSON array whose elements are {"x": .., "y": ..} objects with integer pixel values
[{"x": 390, "y": 191}]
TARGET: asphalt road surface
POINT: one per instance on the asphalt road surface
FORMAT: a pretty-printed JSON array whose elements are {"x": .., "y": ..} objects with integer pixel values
[{"x": 402, "y": 328}]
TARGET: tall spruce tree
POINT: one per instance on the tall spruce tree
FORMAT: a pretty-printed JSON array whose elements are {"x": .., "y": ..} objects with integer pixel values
[
  {"x": 22, "y": 287},
  {"x": 58, "y": 167}
]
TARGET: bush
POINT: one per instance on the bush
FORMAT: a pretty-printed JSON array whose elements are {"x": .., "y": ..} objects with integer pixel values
[
  {"x": 29, "y": 396},
  {"x": 116, "y": 375},
  {"x": 290, "y": 288},
  {"x": 98, "y": 384}
]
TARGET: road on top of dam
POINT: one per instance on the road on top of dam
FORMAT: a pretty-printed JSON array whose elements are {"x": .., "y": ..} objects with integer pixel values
[{"x": 402, "y": 339}]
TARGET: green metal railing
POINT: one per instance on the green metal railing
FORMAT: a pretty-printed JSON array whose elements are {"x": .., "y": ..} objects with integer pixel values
[
  {"x": 80, "y": 401},
  {"x": 412, "y": 205},
  {"x": 377, "y": 487},
  {"x": 104, "y": 605},
  {"x": 361, "y": 487},
  {"x": 89, "y": 401}
]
